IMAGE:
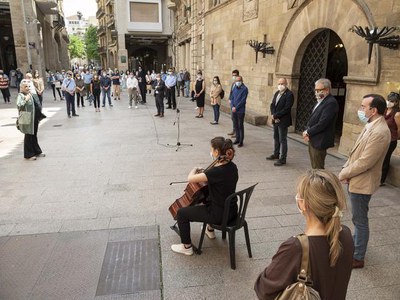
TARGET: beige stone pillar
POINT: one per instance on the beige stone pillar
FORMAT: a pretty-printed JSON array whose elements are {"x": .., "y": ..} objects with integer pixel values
[{"x": 122, "y": 53}]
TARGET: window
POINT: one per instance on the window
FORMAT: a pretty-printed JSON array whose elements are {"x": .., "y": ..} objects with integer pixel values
[
  {"x": 212, "y": 51},
  {"x": 144, "y": 12}
]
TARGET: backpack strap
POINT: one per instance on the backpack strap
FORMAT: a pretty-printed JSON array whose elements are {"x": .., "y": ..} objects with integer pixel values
[{"x": 305, "y": 269}]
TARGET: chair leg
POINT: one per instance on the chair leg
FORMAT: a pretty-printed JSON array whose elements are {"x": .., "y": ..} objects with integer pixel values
[
  {"x": 232, "y": 249},
  {"x": 247, "y": 236},
  {"x": 203, "y": 231},
  {"x": 224, "y": 235}
]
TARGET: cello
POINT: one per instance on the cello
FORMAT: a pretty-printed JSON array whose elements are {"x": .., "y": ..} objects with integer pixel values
[{"x": 195, "y": 192}]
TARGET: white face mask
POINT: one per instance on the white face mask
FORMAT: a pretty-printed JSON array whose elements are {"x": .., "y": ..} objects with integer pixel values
[
  {"x": 320, "y": 95},
  {"x": 281, "y": 87},
  {"x": 297, "y": 204},
  {"x": 215, "y": 82},
  {"x": 389, "y": 104},
  {"x": 212, "y": 156},
  {"x": 362, "y": 117}
]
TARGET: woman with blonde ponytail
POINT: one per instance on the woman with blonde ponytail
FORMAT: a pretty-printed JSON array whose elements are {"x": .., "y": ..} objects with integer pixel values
[{"x": 321, "y": 200}]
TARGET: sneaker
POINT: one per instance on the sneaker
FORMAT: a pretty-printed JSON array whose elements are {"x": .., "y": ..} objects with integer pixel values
[
  {"x": 180, "y": 248},
  {"x": 280, "y": 162},
  {"x": 129, "y": 106},
  {"x": 136, "y": 106},
  {"x": 209, "y": 233}
]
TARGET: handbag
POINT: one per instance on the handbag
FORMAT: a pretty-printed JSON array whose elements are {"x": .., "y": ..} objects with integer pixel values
[
  {"x": 57, "y": 84},
  {"x": 25, "y": 117},
  {"x": 302, "y": 289}
]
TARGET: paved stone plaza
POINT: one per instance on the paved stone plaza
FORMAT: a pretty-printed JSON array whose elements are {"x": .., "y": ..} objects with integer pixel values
[{"x": 105, "y": 178}]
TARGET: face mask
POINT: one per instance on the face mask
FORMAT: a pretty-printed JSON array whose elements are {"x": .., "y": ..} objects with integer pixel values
[
  {"x": 169, "y": 73},
  {"x": 389, "y": 104},
  {"x": 212, "y": 156},
  {"x": 281, "y": 87},
  {"x": 233, "y": 78},
  {"x": 198, "y": 76},
  {"x": 104, "y": 74},
  {"x": 215, "y": 82},
  {"x": 320, "y": 95},
  {"x": 131, "y": 76},
  {"x": 361, "y": 115},
  {"x": 158, "y": 78},
  {"x": 238, "y": 83}
]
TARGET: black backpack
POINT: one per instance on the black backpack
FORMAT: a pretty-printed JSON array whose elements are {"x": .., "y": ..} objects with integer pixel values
[{"x": 222, "y": 94}]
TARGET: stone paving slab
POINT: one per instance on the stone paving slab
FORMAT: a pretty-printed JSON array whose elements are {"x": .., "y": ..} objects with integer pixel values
[{"x": 110, "y": 172}]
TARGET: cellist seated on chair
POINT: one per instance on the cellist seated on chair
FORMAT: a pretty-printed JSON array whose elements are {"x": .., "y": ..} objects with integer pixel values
[{"x": 222, "y": 180}]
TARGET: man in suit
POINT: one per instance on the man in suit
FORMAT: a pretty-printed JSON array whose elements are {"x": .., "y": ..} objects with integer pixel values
[
  {"x": 320, "y": 129},
  {"x": 159, "y": 89},
  {"x": 363, "y": 169},
  {"x": 281, "y": 107},
  {"x": 235, "y": 73}
]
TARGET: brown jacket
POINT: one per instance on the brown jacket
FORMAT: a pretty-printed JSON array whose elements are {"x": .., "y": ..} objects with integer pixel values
[
  {"x": 215, "y": 94},
  {"x": 364, "y": 167}
]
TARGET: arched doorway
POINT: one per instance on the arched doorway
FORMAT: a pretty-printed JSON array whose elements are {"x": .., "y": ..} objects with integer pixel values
[{"x": 324, "y": 57}]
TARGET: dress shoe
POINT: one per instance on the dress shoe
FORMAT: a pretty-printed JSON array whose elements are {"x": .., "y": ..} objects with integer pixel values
[
  {"x": 168, "y": 107},
  {"x": 272, "y": 157},
  {"x": 358, "y": 264},
  {"x": 157, "y": 115},
  {"x": 162, "y": 115},
  {"x": 75, "y": 115},
  {"x": 236, "y": 142},
  {"x": 280, "y": 162},
  {"x": 240, "y": 145},
  {"x": 214, "y": 123},
  {"x": 231, "y": 133}
]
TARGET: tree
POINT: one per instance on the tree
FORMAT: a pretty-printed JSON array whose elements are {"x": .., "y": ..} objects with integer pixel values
[
  {"x": 92, "y": 43},
  {"x": 76, "y": 47}
]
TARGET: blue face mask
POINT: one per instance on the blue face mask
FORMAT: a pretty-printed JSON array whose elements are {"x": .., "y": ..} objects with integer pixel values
[
  {"x": 238, "y": 83},
  {"x": 361, "y": 115}
]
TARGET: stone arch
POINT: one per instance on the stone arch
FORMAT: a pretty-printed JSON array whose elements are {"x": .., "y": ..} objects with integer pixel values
[{"x": 313, "y": 16}]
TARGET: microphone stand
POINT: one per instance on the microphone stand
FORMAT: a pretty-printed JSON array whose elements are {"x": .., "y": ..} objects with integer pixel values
[{"x": 178, "y": 144}]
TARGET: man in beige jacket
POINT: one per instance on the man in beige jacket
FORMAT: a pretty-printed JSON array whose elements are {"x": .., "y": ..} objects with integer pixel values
[{"x": 362, "y": 171}]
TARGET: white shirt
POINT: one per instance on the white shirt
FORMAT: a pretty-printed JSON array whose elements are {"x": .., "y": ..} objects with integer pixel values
[
  {"x": 32, "y": 89},
  {"x": 132, "y": 83}
]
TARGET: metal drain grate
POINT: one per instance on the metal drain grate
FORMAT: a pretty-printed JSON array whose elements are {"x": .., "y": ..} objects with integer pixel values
[
  {"x": 130, "y": 267},
  {"x": 57, "y": 125}
]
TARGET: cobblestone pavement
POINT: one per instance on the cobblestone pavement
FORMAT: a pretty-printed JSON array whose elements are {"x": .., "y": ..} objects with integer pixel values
[{"x": 111, "y": 170}]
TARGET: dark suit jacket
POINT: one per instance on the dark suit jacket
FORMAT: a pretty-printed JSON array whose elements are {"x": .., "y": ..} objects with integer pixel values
[
  {"x": 282, "y": 111},
  {"x": 322, "y": 122},
  {"x": 159, "y": 89}
]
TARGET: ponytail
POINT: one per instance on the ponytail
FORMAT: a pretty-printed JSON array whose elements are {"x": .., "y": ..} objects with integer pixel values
[
  {"x": 224, "y": 147},
  {"x": 333, "y": 227}
]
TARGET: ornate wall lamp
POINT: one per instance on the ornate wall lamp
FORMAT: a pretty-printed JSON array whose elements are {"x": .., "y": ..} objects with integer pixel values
[
  {"x": 378, "y": 36},
  {"x": 262, "y": 47}
]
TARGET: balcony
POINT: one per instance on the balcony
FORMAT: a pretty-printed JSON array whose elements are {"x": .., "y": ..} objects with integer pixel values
[
  {"x": 58, "y": 22},
  {"x": 99, "y": 13},
  {"x": 101, "y": 30},
  {"x": 48, "y": 7},
  {"x": 110, "y": 22},
  {"x": 102, "y": 50}
]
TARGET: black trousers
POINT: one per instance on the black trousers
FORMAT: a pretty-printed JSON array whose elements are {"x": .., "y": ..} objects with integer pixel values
[
  {"x": 31, "y": 145},
  {"x": 70, "y": 100},
  {"x": 200, "y": 213},
  {"x": 79, "y": 97},
  {"x": 96, "y": 95},
  {"x": 143, "y": 92},
  {"x": 386, "y": 162},
  {"x": 238, "y": 125},
  {"x": 160, "y": 104},
  {"x": 171, "y": 97},
  {"x": 6, "y": 95}
]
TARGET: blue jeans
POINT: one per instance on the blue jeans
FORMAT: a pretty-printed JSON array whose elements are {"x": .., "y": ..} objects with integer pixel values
[
  {"x": 359, "y": 209},
  {"x": 187, "y": 87},
  {"x": 108, "y": 93},
  {"x": 238, "y": 125},
  {"x": 280, "y": 141},
  {"x": 216, "y": 112}
]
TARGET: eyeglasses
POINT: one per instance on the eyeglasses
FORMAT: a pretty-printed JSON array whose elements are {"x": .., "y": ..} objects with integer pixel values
[{"x": 319, "y": 90}]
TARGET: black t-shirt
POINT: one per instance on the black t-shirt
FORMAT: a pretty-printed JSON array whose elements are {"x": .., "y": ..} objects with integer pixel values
[
  {"x": 115, "y": 81},
  {"x": 221, "y": 183}
]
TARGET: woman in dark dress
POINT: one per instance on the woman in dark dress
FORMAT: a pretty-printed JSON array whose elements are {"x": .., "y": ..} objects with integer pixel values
[
  {"x": 95, "y": 90},
  {"x": 320, "y": 199},
  {"x": 199, "y": 94},
  {"x": 221, "y": 179}
]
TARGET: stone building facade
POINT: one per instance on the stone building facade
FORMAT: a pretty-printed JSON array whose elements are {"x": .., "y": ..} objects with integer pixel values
[
  {"x": 39, "y": 35},
  {"x": 311, "y": 39},
  {"x": 135, "y": 32}
]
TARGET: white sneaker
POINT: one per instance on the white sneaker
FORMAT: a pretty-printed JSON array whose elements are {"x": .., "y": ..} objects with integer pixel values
[
  {"x": 209, "y": 234},
  {"x": 180, "y": 248},
  {"x": 129, "y": 106},
  {"x": 136, "y": 106}
]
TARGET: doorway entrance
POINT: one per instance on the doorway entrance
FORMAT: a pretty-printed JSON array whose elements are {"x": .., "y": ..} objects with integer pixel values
[{"x": 324, "y": 57}]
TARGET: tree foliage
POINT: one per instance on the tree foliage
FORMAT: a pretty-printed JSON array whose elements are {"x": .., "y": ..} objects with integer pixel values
[
  {"x": 92, "y": 43},
  {"x": 76, "y": 47}
]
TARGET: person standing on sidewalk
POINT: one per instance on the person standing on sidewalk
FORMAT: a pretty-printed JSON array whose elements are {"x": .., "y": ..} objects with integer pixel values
[
  {"x": 238, "y": 108},
  {"x": 115, "y": 77},
  {"x": 105, "y": 83},
  {"x": 170, "y": 83},
  {"x": 281, "y": 107},
  {"x": 392, "y": 117},
  {"x": 142, "y": 84},
  {"x": 4, "y": 87},
  {"x": 215, "y": 96},
  {"x": 87, "y": 80},
  {"x": 132, "y": 84},
  {"x": 26, "y": 103},
  {"x": 179, "y": 83},
  {"x": 186, "y": 82},
  {"x": 39, "y": 85},
  {"x": 95, "y": 90},
  {"x": 68, "y": 86},
  {"x": 159, "y": 89},
  {"x": 235, "y": 73},
  {"x": 80, "y": 90},
  {"x": 19, "y": 75},
  {"x": 363, "y": 169},
  {"x": 320, "y": 129}
]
